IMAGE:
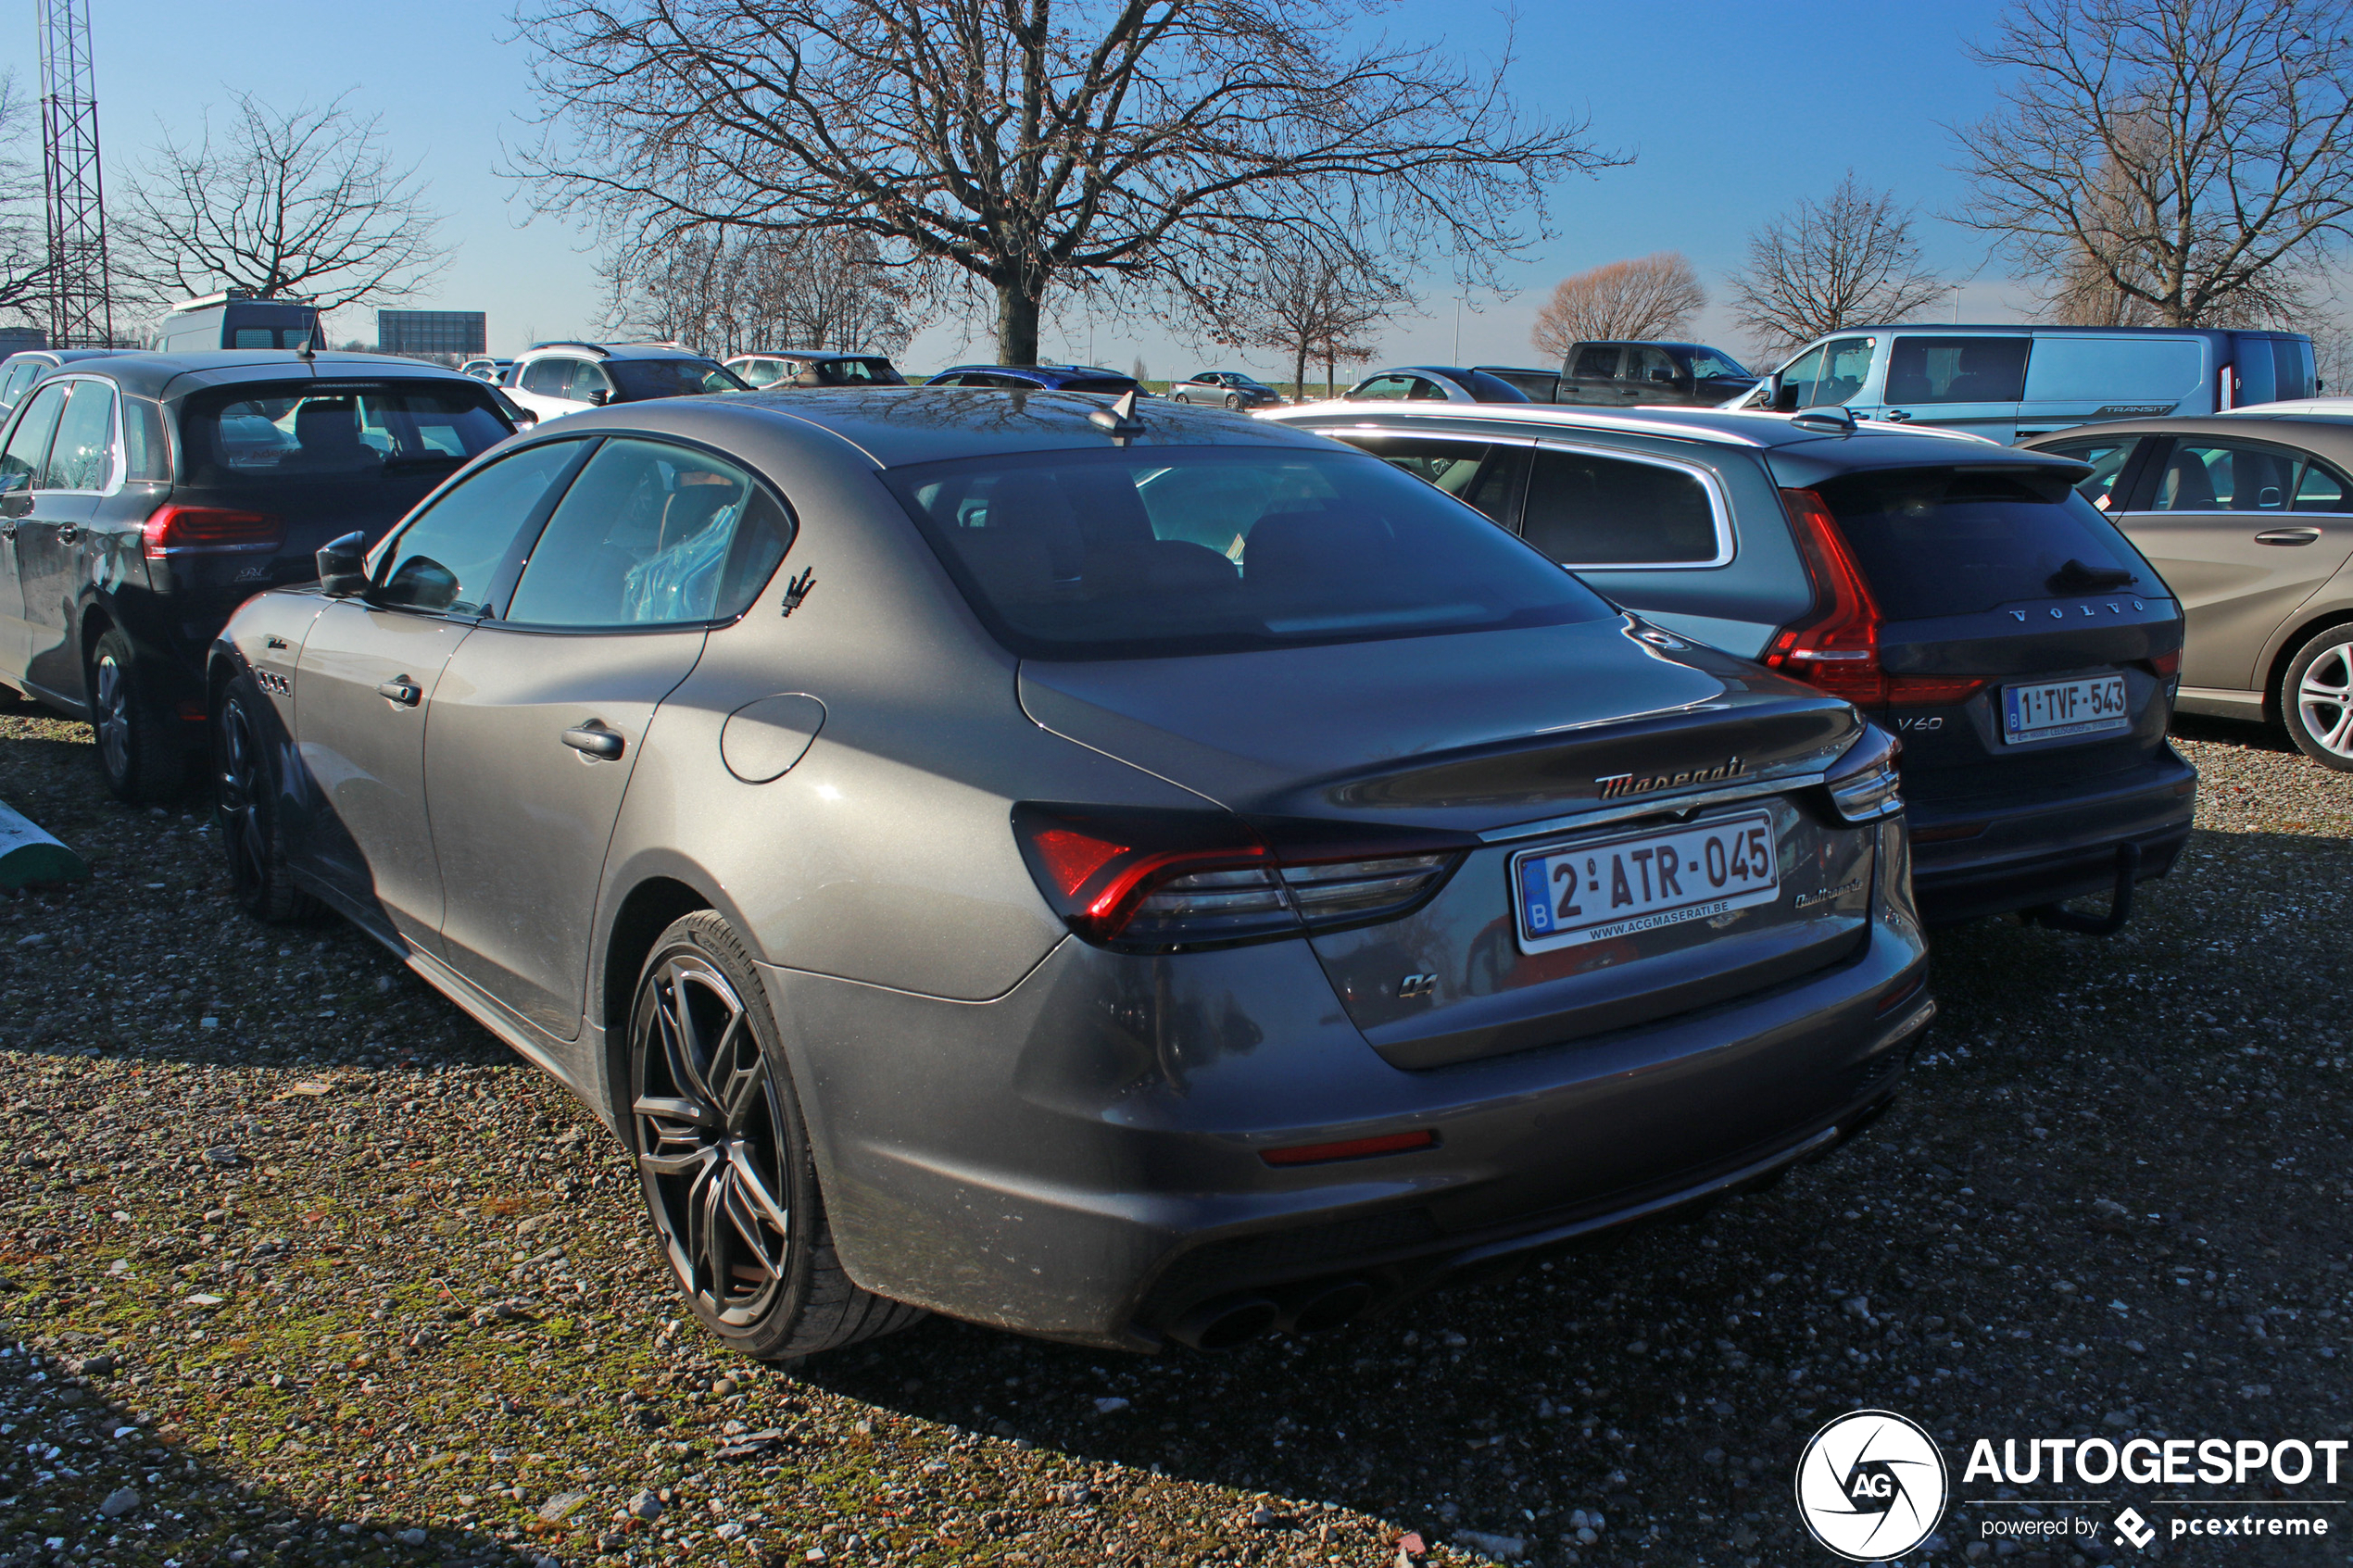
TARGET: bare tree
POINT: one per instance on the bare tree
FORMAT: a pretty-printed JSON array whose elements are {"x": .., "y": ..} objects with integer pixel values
[
  {"x": 1650, "y": 296},
  {"x": 723, "y": 295},
  {"x": 2188, "y": 156},
  {"x": 301, "y": 203},
  {"x": 1838, "y": 262},
  {"x": 24, "y": 243},
  {"x": 1023, "y": 145},
  {"x": 1312, "y": 302}
]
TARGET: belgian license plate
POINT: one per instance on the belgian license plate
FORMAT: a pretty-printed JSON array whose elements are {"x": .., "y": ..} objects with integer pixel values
[
  {"x": 1580, "y": 893},
  {"x": 2053, "y": 709}
]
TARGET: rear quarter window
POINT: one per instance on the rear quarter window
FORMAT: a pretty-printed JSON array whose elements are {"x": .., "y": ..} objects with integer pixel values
[{"x": 1938, "y": 542}]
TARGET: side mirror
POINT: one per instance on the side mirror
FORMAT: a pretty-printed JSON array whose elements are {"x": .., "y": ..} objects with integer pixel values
[
  {"x": 599, "y": 398},
  {"x": 1784, "y": 397},
  {"x": 15, "y": 481},
  {"x": 524, "y": 417},
  {"x": 343, "y": 565}
]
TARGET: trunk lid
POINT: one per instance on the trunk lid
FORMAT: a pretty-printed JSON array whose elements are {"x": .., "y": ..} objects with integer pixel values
[
  {"x": 1569, "y": 738},
  {"x": 2010, "y": 580}
]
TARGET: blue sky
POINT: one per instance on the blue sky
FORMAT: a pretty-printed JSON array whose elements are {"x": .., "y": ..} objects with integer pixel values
[{"x": 1733, "y": 111}]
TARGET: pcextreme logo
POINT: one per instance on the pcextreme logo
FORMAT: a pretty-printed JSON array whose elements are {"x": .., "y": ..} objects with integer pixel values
[{"x": 1871, "y": 1485}]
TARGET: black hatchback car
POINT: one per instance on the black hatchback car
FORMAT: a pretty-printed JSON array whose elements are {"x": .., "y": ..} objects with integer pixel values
[
  {"x": 1961, "y": 593},
  {"x": 144, "y": 496}
]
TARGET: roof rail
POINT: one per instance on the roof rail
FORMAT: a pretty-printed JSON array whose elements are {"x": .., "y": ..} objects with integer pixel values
[{"x": 569, "y": 342}]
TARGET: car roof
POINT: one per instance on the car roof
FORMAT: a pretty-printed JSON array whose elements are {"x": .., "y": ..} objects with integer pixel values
[
  {"x": 801, "y": 354},
  {"x": 2330, "y": 430},
  {"x": 173, "y": 375},
  {"x": 900, "y": 425},
  {"x": 1795, "y": 448},
  {"x": 611, "y": 350}
]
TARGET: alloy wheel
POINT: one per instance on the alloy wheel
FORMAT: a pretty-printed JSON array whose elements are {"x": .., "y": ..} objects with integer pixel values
[
  {"x": 237, "y": 793},
  {"x": 711, "y": 1139},
  {"x": 111, "y": 717},
  {"x": 2325, "y": 701}
]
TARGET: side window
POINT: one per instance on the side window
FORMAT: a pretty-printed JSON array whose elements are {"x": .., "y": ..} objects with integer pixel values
[
  {"x": 651, "y": 535},
  {"x": 1589, "y": 511},
  {"x": 1426, "y": 391},
  {"x": 2321, "y": 490},
  {"x": 760, "y": 372},
  {"x": 1597, "y": 359},
  {"x": 146, "y": 455},
  {"x": 19, "y": 379},
  {"x": 1847, "y": 364},
  {"x": 1799, "y": 378},
  {"x": 1383, "y": 387},
  {"x": 84, "y": 453},
  {"x": 547, "y": 377},
  {"x": 252, "y": 337},
  {"x": 1650, "y": 366},
  {"x": 1956, "y": 369},
  {"x": 1475, "y": 471},
  {"x": 2215, "y": 477},
  {"x": 2108, "y": 460},
  {"x": 30, "y": 444},
  {"x": 448, "y": 559},
  {"x": 586, "y": 378}
]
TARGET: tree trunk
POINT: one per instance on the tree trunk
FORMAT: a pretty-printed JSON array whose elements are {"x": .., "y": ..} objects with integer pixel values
[
  {"x": 1016, "y": 325},
  {"x": 1299, "y": 372}
]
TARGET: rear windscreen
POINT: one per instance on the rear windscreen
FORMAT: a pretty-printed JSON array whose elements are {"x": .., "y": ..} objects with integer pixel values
[
  {"x": 1959, "y": 540},
  {"x": 858, "y": 372},
  {"x": 312, "y": 430},
  {"x": 1136, "y": 554}
]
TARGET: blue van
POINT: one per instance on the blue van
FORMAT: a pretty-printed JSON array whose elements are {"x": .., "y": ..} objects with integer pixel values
[
  {"x": 235, "y": 319},
  {"x": 2010, "y": 383}
]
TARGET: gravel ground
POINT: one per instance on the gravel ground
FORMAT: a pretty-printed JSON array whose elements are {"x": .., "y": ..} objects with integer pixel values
[{"x": 301, "y": 1267}]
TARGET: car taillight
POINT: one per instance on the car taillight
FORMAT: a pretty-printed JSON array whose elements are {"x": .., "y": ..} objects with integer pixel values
[
  {"x": 1161, "y": 880},
  {"x": 1835, "y": 648},
  {"x": 175, "y": 527},
  {"x": 2164, "y": 664}
]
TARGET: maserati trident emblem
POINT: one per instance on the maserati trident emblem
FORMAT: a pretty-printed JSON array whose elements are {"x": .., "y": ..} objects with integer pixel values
[{"x": 1617, "y": 787}]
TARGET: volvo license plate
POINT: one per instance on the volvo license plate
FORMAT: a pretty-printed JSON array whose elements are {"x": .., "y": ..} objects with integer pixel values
[
  {"x": 2052, "y": 709},
  {"x": 1578, "y": 893}
]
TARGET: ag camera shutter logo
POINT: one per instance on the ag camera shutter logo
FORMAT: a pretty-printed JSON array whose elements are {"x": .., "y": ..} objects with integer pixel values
[{"x": 1871, "y": 1485}]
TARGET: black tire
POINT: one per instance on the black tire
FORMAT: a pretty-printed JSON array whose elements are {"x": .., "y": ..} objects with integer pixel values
[
  {"x": 1179, "y": 398},
  {"x": 2316, "y": 698},
  {"x": 244, "y": 808},
  {"x": 1234, "y": 401},
  {"x": 141, "y": 752},
  {"x": 711, "y": 1105}
]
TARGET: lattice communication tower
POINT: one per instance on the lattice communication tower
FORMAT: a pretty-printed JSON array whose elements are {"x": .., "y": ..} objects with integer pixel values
[{"x": 81, "y": 310}]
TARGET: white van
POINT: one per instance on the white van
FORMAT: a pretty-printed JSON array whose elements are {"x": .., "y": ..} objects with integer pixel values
[{"x": 2006, "y": 383}]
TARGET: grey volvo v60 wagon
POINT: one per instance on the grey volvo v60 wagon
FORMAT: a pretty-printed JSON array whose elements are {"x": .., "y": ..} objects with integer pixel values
[{"x": 1120, "y": 875}]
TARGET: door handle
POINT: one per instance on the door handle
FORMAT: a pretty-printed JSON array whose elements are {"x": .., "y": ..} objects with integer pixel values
[
  {"x": 68, "y": 532},
  {"x": 402, "y": 690},
  {"x": 2288, "y": 536},
  {"x": 1896, "y": 416},
  {"x": 8, "y": 529},
  {"x": 596, "y": 740}
]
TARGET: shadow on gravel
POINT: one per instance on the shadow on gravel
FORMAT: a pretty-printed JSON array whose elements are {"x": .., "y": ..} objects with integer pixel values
[
  {"x": 102, "y": 1488},
  {"x": 2110, "y": 1204},
  {"x": 2232, "y": 732}
]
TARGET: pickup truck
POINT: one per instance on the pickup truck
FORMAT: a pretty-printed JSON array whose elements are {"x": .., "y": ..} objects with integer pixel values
[{"x": 1628, "y": 374}]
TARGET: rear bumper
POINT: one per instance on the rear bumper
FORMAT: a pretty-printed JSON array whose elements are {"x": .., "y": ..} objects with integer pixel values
[
  {"x": 2057, "y": 847},
  {"x": 1080, "y": 1158}
]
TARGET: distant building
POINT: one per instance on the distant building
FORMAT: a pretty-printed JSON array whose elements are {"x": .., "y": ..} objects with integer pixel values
[
  {"x": 432, "y": 331},
  {"x": 15, "y": 338}
]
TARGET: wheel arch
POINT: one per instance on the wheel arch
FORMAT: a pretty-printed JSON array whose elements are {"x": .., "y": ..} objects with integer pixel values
[
  {"x": 640, "y": 918},
  {"x": 2275, "y": 679}
]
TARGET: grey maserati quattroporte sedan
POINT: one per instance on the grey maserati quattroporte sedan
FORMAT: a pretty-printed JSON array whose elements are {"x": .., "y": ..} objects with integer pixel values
[{"x": 1120, "y": 874}]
